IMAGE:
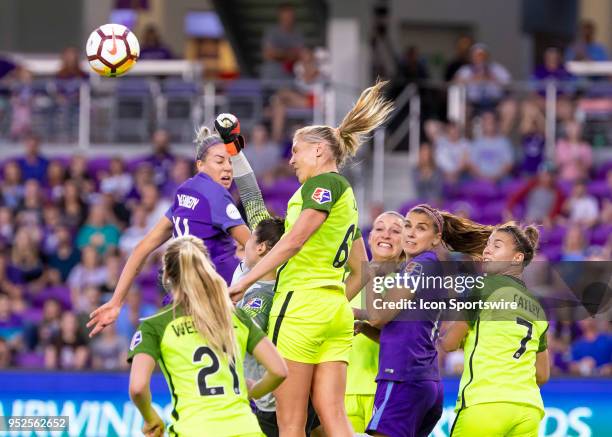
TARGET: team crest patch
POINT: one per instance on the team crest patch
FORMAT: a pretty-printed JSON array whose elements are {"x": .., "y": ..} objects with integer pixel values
[
  {"x": 254, "y": 302},
  {"x": 414, "y": 268},
  {"x": 321, "y": 196},
  {"x": 136, "y": 340}
]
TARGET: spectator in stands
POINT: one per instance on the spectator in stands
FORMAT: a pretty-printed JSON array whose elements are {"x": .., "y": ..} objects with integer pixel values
[
  {"x": 162, "y": 158},
  {"x": 33, "y": 165},
  {"x": 451, "y": 149},
  {"x": 136, "y": 232},
  {"x": 412, "y": 67},
  {"x": 281, "y": 46},
  {"x": 52, "y": 219},
  {"x": 585, "y": 48},
  {"x": 152, "y": 46},
  {"x": 113, "y": 265},
  {"x": 26, "y": 266},
  {"x": 574, "y": 244},
  {"x": 428, "y": 179},
  {"x": 592, "y": 353},
  {"x": 131, "y": 313},
  {"x": 79, "y": 174},
  {"x": 68, "y": 348},
  {"x": 6, "y": 356},
  {"x": 22, "y": 97},
  {"x": 7, "y": 67},
  {"x": 542, "y": 197},
  {"x": 49, "y": 326},
  {"x": 581, "y": 207},
  {"x": 109, "y": 351},
  {"x": 484, "y": 79},
  {"x": 552, "y": 68},
  {"x": 31, "y": 207},
  {"x": 461, "y": 58},
  {"x": 73, "y": 207},
  {"x": 98, "y": 231},
  {"x": 181, "y": 171},
  {"x": 12, "y": 184},
  {"x": 117, "y": 181},
  {"x": 66, "y": 256},
  {"x": 264, "y": 155},
  {"x": 6, "y": 224},
  {"x": 70, "y": 67},
  {"x": 12, "y": 328},
  {"x": 89, "y": 272},
  {"x": 533, "y": 141},
  {"x": 573, "y": 155},
  {"x": 492, "y": 155},
  {"x": 300, "y": 96},
  {"x": 154, "y": 206},
  {"x": 7, "y": 284},
  {"x": 56, "y": 176},
  {"x": 606, "y": 204}
]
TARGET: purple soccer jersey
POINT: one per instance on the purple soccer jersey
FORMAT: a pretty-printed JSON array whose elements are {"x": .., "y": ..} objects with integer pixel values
[
  {"x": 407, "y": 343},
  {"x": 206, "y": 210}
]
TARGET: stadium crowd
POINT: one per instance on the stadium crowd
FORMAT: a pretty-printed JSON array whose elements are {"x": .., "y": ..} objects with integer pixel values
[{"x": 68, "y": 224}]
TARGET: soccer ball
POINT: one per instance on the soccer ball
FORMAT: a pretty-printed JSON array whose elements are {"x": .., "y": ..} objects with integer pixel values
[
  {"x": 226, "y": 120},
  {"x": 112, "y": 50}
]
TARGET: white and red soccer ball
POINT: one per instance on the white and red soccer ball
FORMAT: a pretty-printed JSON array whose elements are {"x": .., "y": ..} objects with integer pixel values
[{"x": 112, "y": 50}]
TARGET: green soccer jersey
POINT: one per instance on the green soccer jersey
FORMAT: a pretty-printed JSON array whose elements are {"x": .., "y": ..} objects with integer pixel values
[
  {"x": 363, "y": 360},
  {"x": 501, "y": 347},
  {"x": 321, "y": 261},
  {"x": 209, "y": 395}
]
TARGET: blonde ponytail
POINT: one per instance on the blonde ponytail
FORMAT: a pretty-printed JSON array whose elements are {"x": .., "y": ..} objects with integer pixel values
[
  {"x": 370, "y": 111},
  {"x": 202, "y": 292}
]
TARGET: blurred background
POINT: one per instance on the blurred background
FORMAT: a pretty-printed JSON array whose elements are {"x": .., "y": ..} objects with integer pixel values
[{"x": 504, "y": 111}]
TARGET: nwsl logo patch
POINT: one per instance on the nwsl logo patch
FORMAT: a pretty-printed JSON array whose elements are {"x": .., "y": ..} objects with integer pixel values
[
  {"x": 321, "y": 196},
  {"x": 254, "y": 303}
]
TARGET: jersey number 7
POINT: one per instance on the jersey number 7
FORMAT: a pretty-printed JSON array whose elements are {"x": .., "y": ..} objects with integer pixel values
[
  {"x": 521, "y": 350},
  {"x": 213, "y": 368}
]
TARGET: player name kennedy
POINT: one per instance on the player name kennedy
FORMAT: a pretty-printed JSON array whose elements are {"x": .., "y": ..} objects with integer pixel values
[
  {"x": 187, "y": 201},
  {"x": 451, "y": 304}
]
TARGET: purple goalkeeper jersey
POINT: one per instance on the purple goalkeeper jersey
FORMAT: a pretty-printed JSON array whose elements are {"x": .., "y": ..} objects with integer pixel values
[
  {"x": 206, "y": 210},
  {"x": 407, "y": 343}
]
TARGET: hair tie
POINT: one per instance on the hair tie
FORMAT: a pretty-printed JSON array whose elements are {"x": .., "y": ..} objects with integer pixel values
[{"x": 433, "y": 213}]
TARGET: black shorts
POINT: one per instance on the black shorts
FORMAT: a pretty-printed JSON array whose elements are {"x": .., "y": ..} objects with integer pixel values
[{"x": 267, "y": 421}]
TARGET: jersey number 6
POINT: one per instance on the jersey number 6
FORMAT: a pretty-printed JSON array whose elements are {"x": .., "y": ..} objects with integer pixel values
[
  {"x": 343, "y": 251},
  {"x": 210, "y": 370}
]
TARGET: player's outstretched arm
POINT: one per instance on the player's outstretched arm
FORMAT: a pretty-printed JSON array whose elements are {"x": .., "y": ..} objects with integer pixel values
[
  {"x": 140, "y": 393},
  {"x": 452, "y": 338},
  {"x": 307, "y": 224},
  {"x": 358, "y": 277},
  {"x": 108, "y": 313},
  {"x": 542, "y": 367},
  {"x": 267, "y": 355}
]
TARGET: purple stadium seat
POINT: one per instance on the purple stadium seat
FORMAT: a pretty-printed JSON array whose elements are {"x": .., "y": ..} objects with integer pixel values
[
  {"x": 552, "y": 252},
  {"x": 603, "y": 170},
  {"x": 133, "y": 164},
  {"x": 97, "y": 164},
  {"x": 61, "y": 293},
  {"x": 491, "y": 212},
  {"x": 30, "y": 360},
  {"x": 408, "y": 206},
  {"x": 510, "y": 186},
  {"x": 599, "y": 189},
  {"x": 33, "y": 315},
  {"x": 281, "y": 188},
  {"x": 600, "y": 234},
  {"x": 552, "y": 236}
]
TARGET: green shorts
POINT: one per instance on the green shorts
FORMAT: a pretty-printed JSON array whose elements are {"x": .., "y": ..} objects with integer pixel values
[
  {"x": 312, "y": 326},
  {"x": 359, "y": 410},
  {"x": 497, "y": 419}
]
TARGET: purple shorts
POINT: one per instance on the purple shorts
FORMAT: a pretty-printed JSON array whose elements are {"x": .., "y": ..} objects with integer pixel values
[{"x": 406, "y": 409}]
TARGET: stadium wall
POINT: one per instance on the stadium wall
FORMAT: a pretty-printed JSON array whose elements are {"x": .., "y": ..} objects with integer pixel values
[{"x": 98, "y": 405}]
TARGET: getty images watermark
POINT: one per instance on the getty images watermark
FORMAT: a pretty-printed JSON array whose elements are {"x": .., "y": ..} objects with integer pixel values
[{"x": 461, "y": 290}]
